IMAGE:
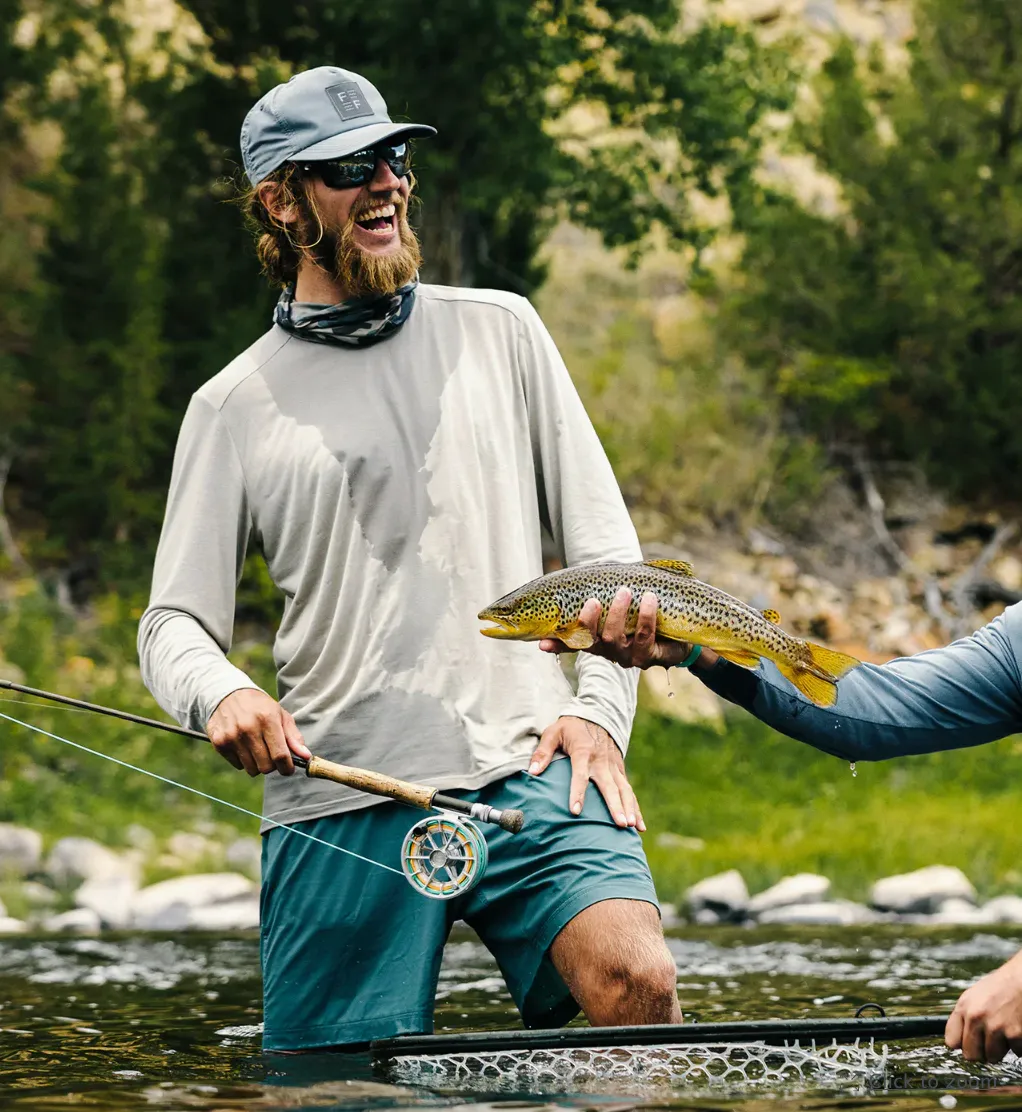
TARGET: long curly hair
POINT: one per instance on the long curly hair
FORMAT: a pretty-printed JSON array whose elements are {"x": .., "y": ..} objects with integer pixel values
[{"x": 280, "y": 245}]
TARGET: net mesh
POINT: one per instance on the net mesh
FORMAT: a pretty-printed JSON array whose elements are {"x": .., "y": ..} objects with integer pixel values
[{"x": 717, "y": 1065}]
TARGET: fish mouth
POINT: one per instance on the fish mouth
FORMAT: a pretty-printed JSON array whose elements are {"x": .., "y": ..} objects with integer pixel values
[{"x": 502, "y": 627}]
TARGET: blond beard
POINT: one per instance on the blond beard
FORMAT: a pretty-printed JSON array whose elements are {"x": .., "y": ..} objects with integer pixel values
[{"x": 363, "y": 273}]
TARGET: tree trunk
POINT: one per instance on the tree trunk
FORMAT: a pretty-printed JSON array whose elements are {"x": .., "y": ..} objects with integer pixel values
[{"x": 442, "y": 232}]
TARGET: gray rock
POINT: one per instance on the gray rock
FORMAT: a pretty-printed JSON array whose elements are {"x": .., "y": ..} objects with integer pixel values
[
  {"x": 236, "y": 915},
  {"x": 245, "y": 855},
  {"x": 922, "y": 891},
  {"x": 842, "y": 913},
  {"x": 21, "y": 850},
  {"x": 192, "y": 848},
  {"x": 75, "y": 860},
  {"x": 140, "y": 838},
  {"x": 12, "y": 926},
  {"x": 81, "y": 920},
  {"x": 724, "y": 894},
  {"x": 110, "y": 898},
  {"x": 1004, "y": 909},
  {"x": 38, "y": 895},
  {"x": 958, "y": 912},
  {"x": 169, "y": 905},
  {"x": 802, "y": 888},
  {"x": 669, "y": 916},
  {"x": 706, "y": 918}
]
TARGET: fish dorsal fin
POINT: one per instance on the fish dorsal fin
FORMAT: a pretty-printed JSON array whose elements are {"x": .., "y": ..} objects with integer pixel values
[
  {"x": 679, "y": 567},
  {"x": 771, "y": 616}
]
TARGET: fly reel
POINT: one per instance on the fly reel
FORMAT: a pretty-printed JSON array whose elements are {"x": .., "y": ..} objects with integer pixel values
[{"x": 444, "y": 856}]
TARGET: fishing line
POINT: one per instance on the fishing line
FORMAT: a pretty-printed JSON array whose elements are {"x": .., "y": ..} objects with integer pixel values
[
  {"x": 43, "y": 706},
  {"x": 195, "y": 791}
]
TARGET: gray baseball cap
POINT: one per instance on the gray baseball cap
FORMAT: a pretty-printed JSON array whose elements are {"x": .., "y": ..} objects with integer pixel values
[{"x": 321, "y": 113}]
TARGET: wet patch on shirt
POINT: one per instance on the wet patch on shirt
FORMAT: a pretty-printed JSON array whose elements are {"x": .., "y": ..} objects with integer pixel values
[{"x": 377, "y": 411}]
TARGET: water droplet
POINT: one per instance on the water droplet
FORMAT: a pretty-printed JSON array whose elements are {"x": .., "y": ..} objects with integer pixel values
[{"x": 851, "y": 765}]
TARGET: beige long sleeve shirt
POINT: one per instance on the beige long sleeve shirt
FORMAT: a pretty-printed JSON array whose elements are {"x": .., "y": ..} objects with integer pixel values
[{"x": 394, "y": 490}]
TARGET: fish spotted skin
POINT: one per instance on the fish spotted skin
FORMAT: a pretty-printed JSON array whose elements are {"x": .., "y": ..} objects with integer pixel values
[{"x": 689, "y": 610}]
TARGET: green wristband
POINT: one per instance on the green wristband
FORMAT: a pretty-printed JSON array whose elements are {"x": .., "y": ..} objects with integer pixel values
[{"x": 692, "y": 657}]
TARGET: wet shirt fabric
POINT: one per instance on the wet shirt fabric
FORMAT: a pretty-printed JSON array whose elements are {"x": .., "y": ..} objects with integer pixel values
[
  {"x": 395, "y": 490},
  {"x": 351, "y": 953},
  {"x": 965, "y": 694}
]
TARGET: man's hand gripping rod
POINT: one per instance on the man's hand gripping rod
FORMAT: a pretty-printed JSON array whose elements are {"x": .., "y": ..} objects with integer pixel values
[{"x": 375, "y": 783}]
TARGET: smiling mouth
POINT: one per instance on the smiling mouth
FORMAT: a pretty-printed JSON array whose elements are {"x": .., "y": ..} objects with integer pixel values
[{"x": 379, "y": 221}]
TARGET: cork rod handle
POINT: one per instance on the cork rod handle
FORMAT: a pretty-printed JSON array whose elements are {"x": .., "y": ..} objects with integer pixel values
[{"x": 373, "y": 782}]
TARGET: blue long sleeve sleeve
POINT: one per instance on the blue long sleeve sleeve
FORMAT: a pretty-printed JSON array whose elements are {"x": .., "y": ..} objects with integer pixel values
[{"x": 966, "y": 694}]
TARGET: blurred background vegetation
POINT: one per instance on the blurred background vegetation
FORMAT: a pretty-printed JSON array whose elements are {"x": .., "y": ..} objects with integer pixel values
[{"x": 770, "y": 246}]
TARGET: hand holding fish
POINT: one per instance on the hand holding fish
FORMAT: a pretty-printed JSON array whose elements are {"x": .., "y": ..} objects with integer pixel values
[
  {"x": 255, "y": 733},
  {"x": 641, "y": 649},
  {"x": 687, "y": 611},
  {"x": 594, "y": 756}
]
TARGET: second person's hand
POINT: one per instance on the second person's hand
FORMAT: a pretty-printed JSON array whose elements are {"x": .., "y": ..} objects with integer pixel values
[{"x": 641, "y": 649}]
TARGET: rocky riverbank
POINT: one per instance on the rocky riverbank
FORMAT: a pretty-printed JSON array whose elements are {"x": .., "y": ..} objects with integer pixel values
[
  {"x": 938, "y": 895},
  {"x": 83, "y": 887},
  {"x": 890, "y": 575}
]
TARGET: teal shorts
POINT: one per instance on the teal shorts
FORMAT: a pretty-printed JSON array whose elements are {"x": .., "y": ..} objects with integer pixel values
[{"x": 351, "y": 952}]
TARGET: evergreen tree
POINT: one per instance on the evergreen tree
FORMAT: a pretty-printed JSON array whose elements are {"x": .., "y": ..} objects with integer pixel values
[
  {"x": 146, "y": 283},
  {"x": 897, "y": 325}
]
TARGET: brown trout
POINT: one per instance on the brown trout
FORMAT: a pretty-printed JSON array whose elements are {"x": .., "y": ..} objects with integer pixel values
[{"x": 689, "y": 610}]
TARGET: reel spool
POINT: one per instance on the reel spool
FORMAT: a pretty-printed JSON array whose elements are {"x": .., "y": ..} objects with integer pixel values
[{"x": 444, "y": 856}]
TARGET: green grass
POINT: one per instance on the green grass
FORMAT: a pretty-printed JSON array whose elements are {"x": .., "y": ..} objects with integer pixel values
[
  {"x": 61, "y": 791},
  {"x": 770, "y": 806},
  {"x": 759, "y": 802}
]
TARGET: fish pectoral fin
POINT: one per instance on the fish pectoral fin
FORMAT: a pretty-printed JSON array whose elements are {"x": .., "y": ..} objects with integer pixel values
[
  {"x": 831, "y": 661},
  {"x": 575, "y": 636},
  {"x": 816, "y": 689},
  {"x": 679, "y": 567},
  {"x": 740, "y": 656},
  {"x": 771, "y": 616}
]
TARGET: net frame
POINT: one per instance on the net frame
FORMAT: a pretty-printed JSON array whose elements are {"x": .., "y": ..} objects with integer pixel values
[{"x": 770, "y": 1053}]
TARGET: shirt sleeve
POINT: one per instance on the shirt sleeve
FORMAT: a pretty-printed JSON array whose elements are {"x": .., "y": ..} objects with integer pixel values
[
  {"x": 951, "y": 698},
  {"x": 582, "y": 506},
  {"x": 185, "y": 633}
]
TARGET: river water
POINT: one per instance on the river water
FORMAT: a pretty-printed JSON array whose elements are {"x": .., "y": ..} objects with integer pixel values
[{"x": 133, "y": 1021}]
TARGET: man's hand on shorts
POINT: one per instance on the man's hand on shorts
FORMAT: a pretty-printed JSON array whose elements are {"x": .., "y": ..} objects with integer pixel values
[
  {"x": 594, "y": 756},
  {"x": 641, "y": 649},
  {"x": 255, "y": 733},
  {"x": 987, "y": 1020}
]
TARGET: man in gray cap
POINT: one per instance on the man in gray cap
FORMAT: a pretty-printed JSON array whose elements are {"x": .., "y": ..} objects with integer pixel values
[{"x": 397, "y": 451}]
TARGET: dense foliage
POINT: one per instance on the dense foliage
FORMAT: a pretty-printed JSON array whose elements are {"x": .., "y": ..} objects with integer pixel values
[
  {"x": 132, "y": 282},
  {"x": 896, "y": 325}
]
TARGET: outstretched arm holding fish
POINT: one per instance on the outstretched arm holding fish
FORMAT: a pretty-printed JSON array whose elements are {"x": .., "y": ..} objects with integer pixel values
[{"x": 965, "y": 694}]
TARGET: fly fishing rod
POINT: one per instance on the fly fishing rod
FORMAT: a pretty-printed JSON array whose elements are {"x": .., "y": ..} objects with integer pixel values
[{"x": 443, "y": 855}]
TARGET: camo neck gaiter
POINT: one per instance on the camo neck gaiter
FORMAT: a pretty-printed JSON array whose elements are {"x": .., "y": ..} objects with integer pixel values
[{"x": 357, "y": 323}]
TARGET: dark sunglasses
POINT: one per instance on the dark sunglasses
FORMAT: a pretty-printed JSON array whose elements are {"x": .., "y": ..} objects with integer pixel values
[{"x": 359, "y": 168}]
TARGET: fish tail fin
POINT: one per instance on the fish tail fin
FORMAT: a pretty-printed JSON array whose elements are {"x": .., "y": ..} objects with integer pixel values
[
  {"x": 817, "y": 679},
  {"x": 815, "y": 688},
  {"x": 831, "y": 661}
]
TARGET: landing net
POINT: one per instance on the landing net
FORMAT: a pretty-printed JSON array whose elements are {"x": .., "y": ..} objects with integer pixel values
[
  {"x": 773, "y": 1054},
  {"x": 729, "y": 1067}
]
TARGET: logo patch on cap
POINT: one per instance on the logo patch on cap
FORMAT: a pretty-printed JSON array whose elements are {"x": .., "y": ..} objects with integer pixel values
[{"x": 347, "y": 98}]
